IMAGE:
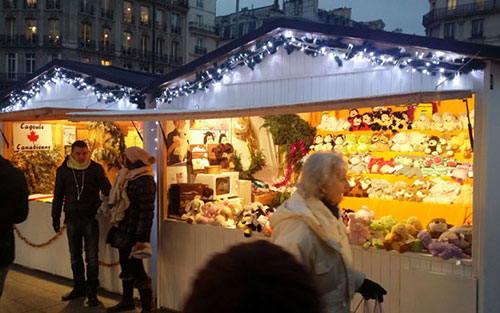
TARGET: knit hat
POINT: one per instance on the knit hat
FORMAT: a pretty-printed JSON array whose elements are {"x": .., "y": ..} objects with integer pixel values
[{"x": 135, "y": 154}]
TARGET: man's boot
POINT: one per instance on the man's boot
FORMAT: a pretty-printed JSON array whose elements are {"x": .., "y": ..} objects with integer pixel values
[
  {"x": 92, "y": 298},
  {"x": 127, "y": 302},
  {"x": 147, "y": 300}
]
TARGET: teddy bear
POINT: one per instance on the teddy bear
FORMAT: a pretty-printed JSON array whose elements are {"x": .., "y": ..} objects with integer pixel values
[
  {"x": 356, "y": 165},
  {"x": 182, "y": 149},
  {"x": 464, "y": 121},
  {"x": 398, "y": 239},
  {"x": 399, "y": 189},
  {"x": 450, "y": 122},
  {"x": 317, "y": 144},
  {"x": 460, "y": 236},
  {"x": 411, "y": 194},
  {"x": 423, "y": 122},
  {"x": 380, "y": 189},
  {"x": 338, "y": 145},
  {"x": 437, "y": 122},
  {"x": 443, "y": 249},
  {"x": 442, "y": 191},
  {"x": 327, "y": 143},
  {"x": 328, "y": 122},
  {"x": 413, "y": 225},
  {"x": 418, "y": 141},
  {"x": 465, "y": 195},
  {"x": 192, "y": 208},
  {"x": 207, "y": 214},
  {"x": 359, "y": 187},
  {"x": 358, "y": 226},
  {"x": 223, "y": 155},
  {"x": 343, "y": 124},
  {"x": 436, "y": 227},
  {"x": 401, "y": 142},
  {"x": 433, "y": 146}
]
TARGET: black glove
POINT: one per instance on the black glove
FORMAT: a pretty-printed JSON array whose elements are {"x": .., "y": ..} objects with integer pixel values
[
  {"x": 371, "y": 290},
  {"x": 56, "y": 224}
]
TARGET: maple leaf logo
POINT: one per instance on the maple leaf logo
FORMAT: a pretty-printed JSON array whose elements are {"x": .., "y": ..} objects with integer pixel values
[{"x": 32, "y": 136}]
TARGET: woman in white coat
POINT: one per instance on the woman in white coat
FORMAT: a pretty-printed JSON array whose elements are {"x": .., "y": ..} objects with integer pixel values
[{"x": 309, "y": 226}]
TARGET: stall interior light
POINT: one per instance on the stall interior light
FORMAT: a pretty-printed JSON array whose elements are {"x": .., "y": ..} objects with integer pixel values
[
  {"x": 339, "y": 50},
  {"x": 18, "y": 99}
]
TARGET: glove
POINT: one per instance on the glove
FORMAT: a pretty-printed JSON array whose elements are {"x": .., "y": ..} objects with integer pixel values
[
  {"x": 371, "y": 290},
  {"x": 56, "y": 224}
]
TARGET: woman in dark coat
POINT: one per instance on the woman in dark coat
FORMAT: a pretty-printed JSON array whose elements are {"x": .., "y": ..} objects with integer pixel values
[{"x": 132, "y": 199}]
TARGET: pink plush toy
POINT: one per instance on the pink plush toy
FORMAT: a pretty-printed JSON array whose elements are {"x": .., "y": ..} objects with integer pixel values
[
  {"x": 208, "y": 214},
  {"x": 442, "y": 249},
  {"x": 359, "y": 232}
]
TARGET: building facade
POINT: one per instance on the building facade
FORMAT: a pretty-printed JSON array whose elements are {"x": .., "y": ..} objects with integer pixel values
[
  {"x": 106, "y": 32},
  {"x": 201, "y": 35},
  {"x": 465, "y": 20},
  {"x": 246, "y": 20}
]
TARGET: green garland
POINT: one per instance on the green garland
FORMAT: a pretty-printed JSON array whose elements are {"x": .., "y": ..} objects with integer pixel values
[
  {"x": 257, "y": 162},
  {"x": 113, "y": 147}
]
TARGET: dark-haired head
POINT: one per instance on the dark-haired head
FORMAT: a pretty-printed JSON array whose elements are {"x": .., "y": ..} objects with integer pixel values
[
  {"x": 253, "y": 277},
  {"x": 78, "y": 144}
]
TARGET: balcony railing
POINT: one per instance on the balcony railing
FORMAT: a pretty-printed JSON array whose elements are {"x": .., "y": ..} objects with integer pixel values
[
  {"x": 162, "y": 58},
  {"x": 202, "y": 27},
  {"x": 31, "y": 40},
  {"x": 182, "y": 3},
  {"x": 129, "y": 19},
  {"x": 53, "y": 5},
  {"x": 145, "y": 54},
  {"x": 30, "y": 5},
  {"x": 86, "y": 8},
  {"x": 49, "y": 40},
  {"x": 175, "y": 29},
  {"x": 107, "y": 13},
  {"x": 106, "y": 47},
  {"x": 145, "y": 23},
  {"x": 461, "y": 11},
  {"x": 8, "y": 40},
  {"x": 200, "y": 50},
  {"x": 86, "y": 44},
  {"x": 130, "y": 52},
  {"x": 10, "y": 4}
]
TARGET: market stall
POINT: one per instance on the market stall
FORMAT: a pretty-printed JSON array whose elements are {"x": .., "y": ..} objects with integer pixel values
[
  {"x": 424, "y": 152},
  {"x": 36, "y": 136}
]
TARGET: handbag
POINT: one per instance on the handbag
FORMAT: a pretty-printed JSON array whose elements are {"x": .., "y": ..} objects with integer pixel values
[{"x": 117, "y": 238}]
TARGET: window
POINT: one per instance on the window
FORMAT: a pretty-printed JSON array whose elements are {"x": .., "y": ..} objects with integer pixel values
[
  {"x": 9, "y": 4},
  {"x": 127, "y": 66},
  {"x": 144, "y": 15},
  {"x": 86, "y": 7},
  {"x": 127, "y": 12},
  {"x": 241, "y": 28},
  {"x": 479, "y": 4},
  {"x": 200, "y": 48},
  {"x": 105, "y": 62},
  {"x": 199, "y": 19},
  {"x": 54, "y": 32},
  {"x": 434, "y": 31},
  {"x": 106, "y": 4},
  {"x": 30, "y": 4},
  {"x": 159, "y": 18},
  {"x": 449, "y": 30},
  {"x": 144, "y": 67},
  {"x": 106, "y": 10},
  {"x": 53, "y": 4},
  {"x": 10, "y": 24},
  {"x": 85, "y": 32},
  {"x": 144, "y": 44},
  {"x": 127, "y": 42},
  {"x": 199, "y": 42},
  {"x": 30, "y": 63},
  {"x": 159, "y": 46},
  {"x": 251, "y": 26},
  {"x": 54, "y": 56},
  {"x": 227, "y": 32},
  {"x": 86, "y": 60},
  {"x": 106, "y": 37},
  {"x": 175, "y": 49},
  {"x": 176, "y": 28},
  {"x": 12, "y": 65},
  {"x": 31, "y": 29},
  {"x": 199, "y": 3},
  {"x": 477, "y": 28},
  {"x": 452, "y": 5}
]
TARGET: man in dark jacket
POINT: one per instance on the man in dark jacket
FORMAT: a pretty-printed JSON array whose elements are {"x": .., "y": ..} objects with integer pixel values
[
  {"x": 78, "y": 183},
  {"x": 13, "y": 210}
]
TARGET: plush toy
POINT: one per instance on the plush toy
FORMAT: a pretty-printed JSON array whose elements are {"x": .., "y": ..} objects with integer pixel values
[
  {"x": 403, "y": 165},
  {"x": 182, "y": 149},
  {"x": 445, "y": 192},
  {"x": 226, "y": 217},
  {"x": 418, "y": 141},
  {"x": 380, "y": 142},
  {"x": 386, "y": 119},
  {"x": 399, "y": 190},
  {"x": 398, "y": 239},
  {"x": 442, "y": 249},
  {"x": 465, "y": 195},
  {"x": 462, "y": 118},
  {"x": 381, "y": 166},
  {"x": 411, "y": 194},
  {"x": 433, "y": 146},
  {"x": 327, "y": 143},
  {"x": 380, "y": 189},
  {"x": 351, "y": 144},
  {"x": 364, "y": 143},
  {"x": 343, "y": 125},
  {"x": 399, "y": 122},
  {"x": 450, "y": 122},
  {"x": 437, "y": 122},
  {"x": 460, "y": 236},
  {"x": 401, "y": 142},
  {"x": 359, "y": 186},
  {"x": 413, "y": 225},
  {"x": 244, "y": 223},
  {"x": 367, "y": 120},
  {"x": 318, "y": 143},
  {"x": 339, "y": 144},
  {"x": 358, "y": 226},
  {"x": 388, "y": 222},
  {"x": 192, "y": 208},
  {"x": 377, "y": 231},
  {"x": 423, "y": 122},
  {"x": 462, "y": 171},
  {"x": 357, "y": 123},
  {"x": 207, "y": 214},
  {"x": 356, "y": 165},
  {"x": 436, "y": 227}
]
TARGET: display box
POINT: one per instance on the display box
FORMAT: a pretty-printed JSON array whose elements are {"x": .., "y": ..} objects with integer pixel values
[{"x": 180, "y": 194}]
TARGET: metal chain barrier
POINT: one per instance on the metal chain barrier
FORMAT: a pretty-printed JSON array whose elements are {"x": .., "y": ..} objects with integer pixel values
[{"x": 48, "y": 242}]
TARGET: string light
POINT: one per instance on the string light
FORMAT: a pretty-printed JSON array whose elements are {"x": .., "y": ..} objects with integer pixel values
[{"x": 338, "y": 49}]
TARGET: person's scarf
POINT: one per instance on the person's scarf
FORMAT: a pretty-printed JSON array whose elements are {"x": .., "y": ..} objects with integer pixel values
[
  {"x": 118, "y": 198},
  {"x": 74, "y": 164}
]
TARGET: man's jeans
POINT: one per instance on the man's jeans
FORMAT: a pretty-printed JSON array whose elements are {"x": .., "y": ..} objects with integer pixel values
[
  {"x": 88, "y": 230},
  {"x": 3, "y": 276}
]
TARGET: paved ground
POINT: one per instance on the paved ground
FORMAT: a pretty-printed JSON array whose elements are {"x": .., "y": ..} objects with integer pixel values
[{"x": 32, "y": 291}]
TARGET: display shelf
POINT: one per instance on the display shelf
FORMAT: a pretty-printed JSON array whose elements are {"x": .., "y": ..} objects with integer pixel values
[
  {"x": 395, "y": 178},
  {"x": 371, "y": 132},
  {"x": 455, "y": 214}
]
